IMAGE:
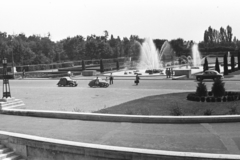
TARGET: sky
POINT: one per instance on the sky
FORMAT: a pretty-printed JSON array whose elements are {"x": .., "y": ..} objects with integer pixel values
[{"x": 157, "y": 19}]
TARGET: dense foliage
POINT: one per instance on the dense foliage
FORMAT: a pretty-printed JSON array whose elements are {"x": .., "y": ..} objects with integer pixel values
[
  {"x": 219, "y": 41},
  {"x": 36, "y": 49}
]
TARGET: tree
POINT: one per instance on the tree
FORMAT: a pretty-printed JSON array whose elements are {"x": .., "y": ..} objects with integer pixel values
[
  {"x": 229, "y": 34},
  {"x": 217, "y": 65},
  {"x": 239, "y": 60},
  {"x": 218, "y": 88},
  {"x": 117, "y": 65},
  {"x": 223, "y": 34},
  {"x": 232, "y": 63},
  {"x": 210, "y": 34},
  {"x": 101, "y": 66},
  {"x": 206, "y": 37},
  {"x": 225, "y": 63},
  {"x": 83, "y": 65},
  {"x": 106, "y": 35},
  {"x": 205, "y": 66},
  {"x": 201, "y": 89}
]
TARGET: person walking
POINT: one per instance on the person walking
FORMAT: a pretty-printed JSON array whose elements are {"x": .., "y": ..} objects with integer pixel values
[
  {"x": 69, "y": 74},
  {"x": 97, "y": 81},
  {"x": 111, "y": 79},
  {"x": 137, "y": 79},
  {"x": 23, "y": 73}
]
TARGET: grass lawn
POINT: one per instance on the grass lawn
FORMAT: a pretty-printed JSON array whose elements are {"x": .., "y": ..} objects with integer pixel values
[{"x": 171, "y": 104}]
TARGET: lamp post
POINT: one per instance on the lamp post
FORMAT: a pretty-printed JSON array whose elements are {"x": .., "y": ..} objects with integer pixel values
[
  {"x": 6, "y": 85},
  {"x": 13, "y": 68}
]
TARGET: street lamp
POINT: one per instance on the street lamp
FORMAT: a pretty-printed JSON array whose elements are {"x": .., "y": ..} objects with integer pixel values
[
  {"x": 6, "y": 85},
  {"x": 13, "y": 68}
]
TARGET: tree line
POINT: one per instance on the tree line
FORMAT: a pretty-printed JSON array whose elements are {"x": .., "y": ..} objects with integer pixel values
[
  {"x": 221, "y": 40},
  {"x": 35, "y": 49},
  {"x": 41, "y": 50}
]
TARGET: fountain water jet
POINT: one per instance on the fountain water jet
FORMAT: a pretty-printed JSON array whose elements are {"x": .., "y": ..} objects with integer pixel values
[
  {"x": 149, "y": 56},
  {"x": 196, "y": 56}
]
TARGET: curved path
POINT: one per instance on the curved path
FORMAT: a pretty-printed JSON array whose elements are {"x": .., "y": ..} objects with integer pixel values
[{"x": 221, "y": 138}]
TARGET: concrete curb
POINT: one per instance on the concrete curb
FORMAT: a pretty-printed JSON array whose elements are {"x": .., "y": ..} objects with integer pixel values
[
  {"x": 122, "y": 118},
  {"x": 102, "y": 151}
]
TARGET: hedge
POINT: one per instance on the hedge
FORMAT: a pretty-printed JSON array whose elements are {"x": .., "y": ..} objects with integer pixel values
[{"x": 108, "y": 63}]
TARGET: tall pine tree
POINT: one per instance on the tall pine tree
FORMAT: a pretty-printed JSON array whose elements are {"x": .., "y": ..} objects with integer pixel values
[
  {"x": 217, "y": 68},
  {"x": 205, "y": 66},
  {"x": 225, "y": 62}
]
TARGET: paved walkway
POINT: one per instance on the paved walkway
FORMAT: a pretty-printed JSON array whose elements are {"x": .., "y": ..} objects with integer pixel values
[{"x": 221, "y": 138}]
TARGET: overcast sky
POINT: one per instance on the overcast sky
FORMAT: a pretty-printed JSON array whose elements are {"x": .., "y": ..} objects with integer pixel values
[{"x": 162, "y": 19}]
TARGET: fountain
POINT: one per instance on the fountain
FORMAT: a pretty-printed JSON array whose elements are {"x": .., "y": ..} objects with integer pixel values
[
  {"x": 196, "y": 56},
  {"x": 152, "y": 61},
  {"x": 149, "y": 56}
]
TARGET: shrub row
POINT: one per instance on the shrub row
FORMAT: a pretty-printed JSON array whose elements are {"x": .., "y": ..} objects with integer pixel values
[
  {"x": 41, "y": 67},
  {"x": 229, "y": 96}
]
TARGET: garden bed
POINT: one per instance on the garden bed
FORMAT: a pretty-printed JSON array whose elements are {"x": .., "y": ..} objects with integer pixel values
[{"x": 172, "y": 104}]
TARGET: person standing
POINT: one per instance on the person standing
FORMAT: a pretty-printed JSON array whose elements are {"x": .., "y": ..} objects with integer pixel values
[
  {"x": 111, "y": 79},
  {"x": 69, "y": 74},
  {"x": 167, "y": 72},
  {"x": 137, "y": 79}
]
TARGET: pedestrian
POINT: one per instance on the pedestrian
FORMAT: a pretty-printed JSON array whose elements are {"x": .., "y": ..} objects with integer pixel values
[
  {"x": 69, "y": 74},
  {"x": 137, "y": 79},
  {"x": 167, "y": 72},
  {"x": 171, "y": 72},
  {"x": 111, "y": 79},
  {"x": 97, "y": 81},
  {"x": 23, "y": 73}
]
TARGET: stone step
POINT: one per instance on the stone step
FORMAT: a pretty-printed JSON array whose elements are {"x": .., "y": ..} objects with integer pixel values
[
  {"x": 14, "y": 157},
  {"x": 6, "y": 155},
  {"x": 14, "y": 106},
  {"x": 3, "y": 104},
  {"x": 5, "y": 150},
  {"x": 7, "y": 99}
]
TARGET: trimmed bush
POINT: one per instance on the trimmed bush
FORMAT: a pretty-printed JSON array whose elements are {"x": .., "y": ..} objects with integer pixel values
[
  {"x": 229, "y": 98},
  {"x": 233, "y": 110},
  {"x": 210, "y": 93},
  {"x": 77, "y": 63},
  {"x": 208, "y": 99},
  {"x": 224, "y": 99},
  {"x": 67, "y": 64},
  {"x": 176, "y": 110},
  {"x": 208, "y": 112},
  {"x": 201, "y": 89},
  {"x": 198, "y": 99},
  {"x": 202, "y": 99},
  {"x": 219, "y": 99},
  {"x": 218, "y": 89},
  {"x": 213, "y": 99}
]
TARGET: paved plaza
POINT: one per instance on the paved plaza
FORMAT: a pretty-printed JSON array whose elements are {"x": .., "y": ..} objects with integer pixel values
[
  {"x": 45, "y": 95},
  {"x": 219, "y": 138}
]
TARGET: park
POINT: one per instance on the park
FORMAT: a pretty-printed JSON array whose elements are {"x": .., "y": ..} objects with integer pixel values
[
  {"x": 119, "y": 80},
  {"x": 153, "y": 116}
]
